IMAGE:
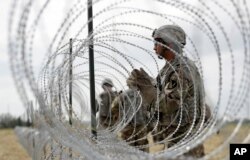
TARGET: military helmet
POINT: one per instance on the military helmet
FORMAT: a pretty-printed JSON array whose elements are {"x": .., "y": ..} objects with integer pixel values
[
  {"x": 171, "y": 34},
  {"x": 107, "y": 81}
]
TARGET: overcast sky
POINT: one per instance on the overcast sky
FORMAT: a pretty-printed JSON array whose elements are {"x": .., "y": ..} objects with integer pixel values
[{"x": 10, "y": 101}]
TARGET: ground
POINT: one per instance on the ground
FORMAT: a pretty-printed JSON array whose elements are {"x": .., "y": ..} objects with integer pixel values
[
  {"x": 222, "y": 137},
  {"x": 10, "y": 149}
]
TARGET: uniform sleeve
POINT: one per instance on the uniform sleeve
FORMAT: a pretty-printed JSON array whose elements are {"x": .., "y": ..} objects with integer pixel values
[
  {"x": 104, "y": 104},
  {"x": 115, "y": 109},
  {"x": 178, "y": 86}
]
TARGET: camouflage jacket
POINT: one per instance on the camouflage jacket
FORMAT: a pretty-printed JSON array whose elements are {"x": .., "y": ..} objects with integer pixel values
[
  {"x": 181, "y": 94},
  {"x": 106, "y": 101},
  {"x": 127, "y": 107}
]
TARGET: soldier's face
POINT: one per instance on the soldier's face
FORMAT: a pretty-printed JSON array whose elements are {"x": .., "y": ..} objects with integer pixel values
[
  {"x": 159, "y": 49},
  {"x": 156, "y": 45}
]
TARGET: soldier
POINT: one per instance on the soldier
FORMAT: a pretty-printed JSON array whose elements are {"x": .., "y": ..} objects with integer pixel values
[
  {"x": 106, "y": 98},
  {"x": 129, "y": 113},
  {"x": 177, "y": 99}
]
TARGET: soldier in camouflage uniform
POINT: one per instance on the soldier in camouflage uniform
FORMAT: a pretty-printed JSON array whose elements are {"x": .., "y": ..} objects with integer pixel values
[
  {"x": 129, "y": 113},
  {"x": 176, "y": 97},
  {"x": 106, "y": 98}
]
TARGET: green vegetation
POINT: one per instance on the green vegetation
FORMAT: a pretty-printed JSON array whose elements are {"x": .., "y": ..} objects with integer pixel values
[{"x": 9, "y": 121}]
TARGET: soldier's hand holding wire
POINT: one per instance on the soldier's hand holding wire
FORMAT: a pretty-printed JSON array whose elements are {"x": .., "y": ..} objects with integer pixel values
[{"x": 141, "y": 81}]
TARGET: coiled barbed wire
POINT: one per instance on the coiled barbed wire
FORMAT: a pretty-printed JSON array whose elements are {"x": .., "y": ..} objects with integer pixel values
[{"x": 217, "y": 40}]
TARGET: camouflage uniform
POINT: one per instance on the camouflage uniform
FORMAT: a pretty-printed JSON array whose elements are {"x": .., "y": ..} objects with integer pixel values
[
  {"x": 107, "y": 98},
  {"x": 177, "y": 100},
  {"x": 180, "y": 87},
  {"x": 127, "y": 110}
]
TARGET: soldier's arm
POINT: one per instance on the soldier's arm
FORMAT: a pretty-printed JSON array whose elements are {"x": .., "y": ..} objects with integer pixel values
[
  {"x": 104, "y": 101},
  {"x": 178, "y": 86},
  {"x": 115, "y": 109}
]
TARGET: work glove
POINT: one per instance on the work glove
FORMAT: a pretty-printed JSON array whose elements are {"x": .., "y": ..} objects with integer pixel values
[{"x": 141, "y": 81}]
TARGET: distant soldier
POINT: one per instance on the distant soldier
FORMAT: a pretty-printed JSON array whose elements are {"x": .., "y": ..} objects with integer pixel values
[
  {"x": 177, "y": 99},
  {"x": 106, "y": 98},
  {"x": 129, "y": 114}
]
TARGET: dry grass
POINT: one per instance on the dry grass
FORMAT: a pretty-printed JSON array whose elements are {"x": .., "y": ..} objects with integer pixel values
[
  {"x": 226, "y": 131},
  {"x": 213, "y": 142},
  {"x": 10, "y": 148}
]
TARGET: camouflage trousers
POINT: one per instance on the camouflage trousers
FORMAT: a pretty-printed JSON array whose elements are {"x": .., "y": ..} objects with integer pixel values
[
  {"x": 163, "y": 132},
  {"x": 135, "y": 136},
  {"x": 105, "y": 122}
]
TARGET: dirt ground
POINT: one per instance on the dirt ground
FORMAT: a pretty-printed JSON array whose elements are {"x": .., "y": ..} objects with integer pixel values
[
  {"x": 221, "y": 138},
  {"x": 10, "y": 148}
]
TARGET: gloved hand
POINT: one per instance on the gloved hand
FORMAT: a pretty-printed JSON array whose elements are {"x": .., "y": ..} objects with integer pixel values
[{"x": 141, "y": 81}]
